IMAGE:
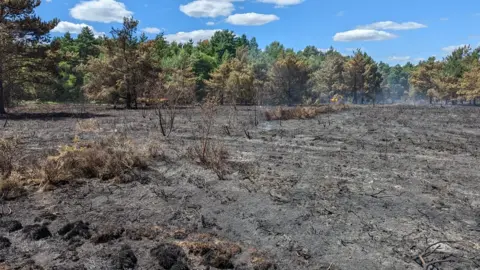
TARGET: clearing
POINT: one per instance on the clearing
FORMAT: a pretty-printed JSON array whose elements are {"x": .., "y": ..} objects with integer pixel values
[{"x": 364, "y": 188}]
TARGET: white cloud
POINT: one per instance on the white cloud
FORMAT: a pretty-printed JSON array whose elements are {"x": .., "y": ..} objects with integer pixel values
[
  {"x": 389, "y": 25},
  {"x": 106, "y": 11},
  {"x": 340, "y": 13},
  {"x": 282, "y": 3},
  {"x": 151, "y": 30},
  {"x": 363, "y": 35},
  {"x": 74, "y": 28},
  {"x": 210, "y": 23},
  {"x": 444, "y": 19},
  {"x": 399, "y": 58},
  {"x": 251, "y": 19},
  {"x": 197, "y": 35},
  {"x": 208, "y": 8},
  {"x": 452, "y": 48}
]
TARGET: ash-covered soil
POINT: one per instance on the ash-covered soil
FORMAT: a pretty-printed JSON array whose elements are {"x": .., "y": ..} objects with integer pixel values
[{"x": 366, "y": 188}]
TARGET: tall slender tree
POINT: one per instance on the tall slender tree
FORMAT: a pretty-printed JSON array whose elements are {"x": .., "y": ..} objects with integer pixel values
[
  {"x": 372, "y": 80},
  {"x": 288, "y": 78},
  {"x": 21, "y": 32},
  {"x": 125, "y": 68},
  {"x": 328, "y": 79},
  {"x": 355, "y": 69}
]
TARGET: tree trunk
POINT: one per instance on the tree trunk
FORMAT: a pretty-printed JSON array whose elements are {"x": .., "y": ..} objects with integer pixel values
[
  {"x": 474, "y": 102},
  {"x": 431, "y": 99},
  {"x": 355, "y": 97},
  {"x": 128, "y": 100},
  {"x": 2, "y": 96}
]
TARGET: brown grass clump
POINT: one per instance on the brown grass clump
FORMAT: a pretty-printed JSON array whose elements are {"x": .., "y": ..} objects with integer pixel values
[
  {"x": 11, "y": 188},
  {"x": 89, "y": 125},
  {"x": 218, "y": 254},
  {"x": 286, "y": 113},
  {"x": 9, "y": 154},
  {"x": 106, "y": 159},
  {"x": 10, "y": 178},
  {"x": 211, "y": 155}
]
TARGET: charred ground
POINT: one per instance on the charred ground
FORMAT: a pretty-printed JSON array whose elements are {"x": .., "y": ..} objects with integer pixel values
[{"x": 365, "y": 188}]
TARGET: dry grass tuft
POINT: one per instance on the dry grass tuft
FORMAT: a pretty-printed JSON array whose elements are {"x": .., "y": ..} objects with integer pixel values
[
  {"x": 211, "y": 155},
  {"x": 215, "y": 253},
  {"x": 89, "y": 125},
  {"x": 106, "y": 159},
  {"x": 9, "y": 153},
  {"x": 287, "y": 113},
  {"x": 10, "y": 178},
  {"x": 11, "y": 188}
]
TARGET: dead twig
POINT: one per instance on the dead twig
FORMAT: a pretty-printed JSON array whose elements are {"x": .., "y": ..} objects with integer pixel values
[
  {"x": 247, "y": 133},
  {"x": 427, "y": 266},
  {"x": 421, "y": 259},
  {"x": 375, "y": 195}
]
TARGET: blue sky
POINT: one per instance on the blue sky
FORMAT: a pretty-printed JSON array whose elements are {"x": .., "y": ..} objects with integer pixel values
[{"x": 390, "y": 31}]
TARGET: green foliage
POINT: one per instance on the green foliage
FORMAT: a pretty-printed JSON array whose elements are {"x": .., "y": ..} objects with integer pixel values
[
  {"x": 223, "y": 44},
  {"x": 328, "y": 79},
  {"x": 125, "y": 70},
  {"x": 128, "y": 66},
  {"x": 22, "y": 39},
  {"x": 288, "y": 78}
]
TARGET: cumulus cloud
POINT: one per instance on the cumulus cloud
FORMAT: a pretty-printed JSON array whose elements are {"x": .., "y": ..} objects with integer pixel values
[
  {"x": 399, "y": 58},
  {"x": 389, "y": 25},
  {"x": 151, "y": 30},
  {"x": 197, "y": 35},
  {"x": 210, "y": 23},
  {"x": 208, "y": 8},
  {"x": 251, "y": 19},
  {"x": 74, "y": 28},
  {"x": 363, "y": 35},
  {"x": 282, "y": 3},
  {"x": 452, "y": 48},
  {"x": 106, "y": 11}
]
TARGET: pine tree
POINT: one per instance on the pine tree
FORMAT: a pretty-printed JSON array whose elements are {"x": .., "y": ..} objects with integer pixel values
[
  {"x": 354, "y": 75},
  {"x": 125, "y": 68},
  {"x": 328, "y": 79},
  {"x": 372, "y": 80},
  {"x": 422, "y": 79},
  {"x": 21, "y": 32},
  {"x": 288, "y": 78},
  {"x": 471, "y": 83}
]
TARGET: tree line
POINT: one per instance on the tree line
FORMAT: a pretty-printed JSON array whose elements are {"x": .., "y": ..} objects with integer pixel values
[{"x": 129, "y": 68}]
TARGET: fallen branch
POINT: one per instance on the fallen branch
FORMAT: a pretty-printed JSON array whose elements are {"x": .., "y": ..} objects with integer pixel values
[{"x": 427, "y": 252}]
